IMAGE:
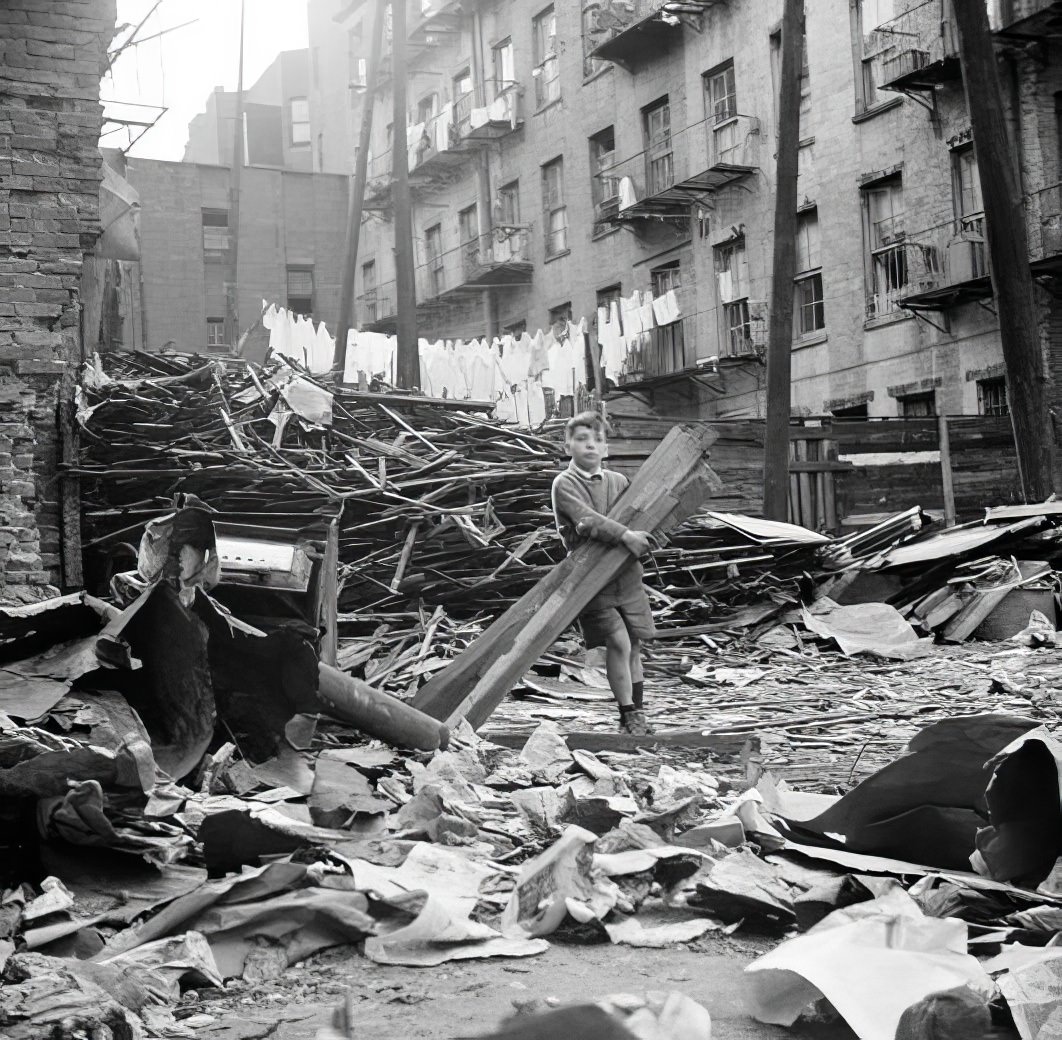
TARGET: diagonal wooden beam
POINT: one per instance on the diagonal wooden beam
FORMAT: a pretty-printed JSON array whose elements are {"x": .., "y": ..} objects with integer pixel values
[{"x": 672, "y": 483}]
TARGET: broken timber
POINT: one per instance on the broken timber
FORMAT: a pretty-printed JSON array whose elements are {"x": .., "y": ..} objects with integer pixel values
[
  {"x": 378, "y": 714},
  {"x": 670, "y": 486},
  {"x": 722, "y": 744}
]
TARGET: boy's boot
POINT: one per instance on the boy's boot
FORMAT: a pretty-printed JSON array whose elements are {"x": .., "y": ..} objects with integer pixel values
[
  {"x": 632, "y": 721},
  {"x": 638, "y": 697}
]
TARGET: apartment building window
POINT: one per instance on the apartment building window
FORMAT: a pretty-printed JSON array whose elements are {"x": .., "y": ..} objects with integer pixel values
[
  {"x": 462, "y": 84},
  {"x": 732, "y": 285},
  {"x": 436, "y": 262},
  {"x": 503, "y": 62},
  {"x": 967, "y": 254},
  {"x": 468, "y": 232},
  {"x": 808, "y": 309},
  {"x": 720, "y": 94},
  {"x": 515, "y": 328},
  {"x": 604, "y": 189},
  {"x": 609, "y": 295},
  {"x": 427, "y": 108},
  {"x": 659, "y": 158},
  {"x": 869, "y": 16},
  {"x": 992, "y": 396},
  {"x": 667, "y": 344},
  {"x": 215, "y": 332},
  {"x": 547, "y": 80},
  {"x": 918, "y": 406},
  {"x": 300, "y": 290},
  {"x": 555, "y": 213},
  {"x": 300, "y": 120},
  {"x": 368, "y": 289},
  {"x": 886, "y": 250},
  {"x": 507, "y": 205},
  {"x": 559, "y": 317},
  {"x": 215, "y": 230}
]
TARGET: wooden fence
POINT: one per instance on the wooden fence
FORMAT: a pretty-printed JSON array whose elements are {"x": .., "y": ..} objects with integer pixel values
[{"x": 847, "y": 472}]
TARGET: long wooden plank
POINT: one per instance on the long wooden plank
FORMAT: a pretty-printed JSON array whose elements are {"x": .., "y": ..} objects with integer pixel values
[
  {"x": 590, "y": 740},
  {"x": 674, "y": 481}
]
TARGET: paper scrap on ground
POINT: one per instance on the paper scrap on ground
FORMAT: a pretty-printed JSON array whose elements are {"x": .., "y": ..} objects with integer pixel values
[
  {"x": 442, "y": 932},
  {"x": 631, "y": 932},
  {"x": 1034, "y": 995},
  {"x": 558, "y": 882},
  {"x": 870, "y": 969}
]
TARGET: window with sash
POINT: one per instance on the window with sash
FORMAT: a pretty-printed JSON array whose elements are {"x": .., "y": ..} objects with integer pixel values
[
  {"x": 732, "y": 288},
  {"x": 871, "y": 44},
  {"x": 547, "y": 67},
  {"x": 809, "y": 314},
  {"x": 886, "y": 248},
  {"x": 555, "y": 213},
  {"x": 368, "y": 289},
  {"x": 604, "y": 188},
  {"x": 436, "y": 262},
  {"x": 659, "y": 157},
  {"x": 992, "y": 396},
  {"x": 969, "y": 211},
  {"x": 300, "y": 290}
]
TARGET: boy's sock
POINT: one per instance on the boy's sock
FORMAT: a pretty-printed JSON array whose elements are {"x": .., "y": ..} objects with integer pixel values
[
  {"x": 638, "y": 693},
  {"x": 625, "y": 710}
]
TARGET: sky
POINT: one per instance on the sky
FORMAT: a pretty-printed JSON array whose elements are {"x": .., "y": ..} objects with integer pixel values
[{"x": 180, "y": 69}]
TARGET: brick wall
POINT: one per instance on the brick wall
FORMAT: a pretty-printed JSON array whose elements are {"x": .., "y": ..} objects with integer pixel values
[
  {"x": 52, "y": 54},
  {"x": 287, "y": 218}
]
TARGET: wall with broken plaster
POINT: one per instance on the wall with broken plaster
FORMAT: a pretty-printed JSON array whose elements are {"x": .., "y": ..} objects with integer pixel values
[{"x": 51, "y": 58}]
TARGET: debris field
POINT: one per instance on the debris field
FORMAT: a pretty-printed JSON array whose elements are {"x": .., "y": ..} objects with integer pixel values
[{"x": 319, "y": 701}]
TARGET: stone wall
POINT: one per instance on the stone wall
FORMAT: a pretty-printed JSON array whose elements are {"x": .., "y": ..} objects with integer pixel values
[{"x": 52, "y": 55}]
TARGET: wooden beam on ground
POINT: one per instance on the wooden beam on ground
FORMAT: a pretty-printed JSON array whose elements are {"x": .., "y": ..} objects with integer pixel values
[
  {"x": 672, "y": 483},
  {"x": 716, "y": 743}
]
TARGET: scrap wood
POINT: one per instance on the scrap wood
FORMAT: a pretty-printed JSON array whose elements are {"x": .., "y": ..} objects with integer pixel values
[{"x": 668, "y": 488}]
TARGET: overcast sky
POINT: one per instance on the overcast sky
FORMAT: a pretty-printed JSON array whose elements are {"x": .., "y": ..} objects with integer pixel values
[{"x": 181, "y": 68}]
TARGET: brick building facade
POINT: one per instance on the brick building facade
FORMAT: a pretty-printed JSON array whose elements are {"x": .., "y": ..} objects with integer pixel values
[
  {"x": 52, "y": 55},
  {"x": 292, "y": 228},
  {"x": 634, "y": 148}
]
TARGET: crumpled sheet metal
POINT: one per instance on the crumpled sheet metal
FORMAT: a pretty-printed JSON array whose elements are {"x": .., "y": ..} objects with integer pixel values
[
  {"x": 928, "y": 805},
  {"x": 114, "y": 750},
  {"x": 867, "y": 628}
]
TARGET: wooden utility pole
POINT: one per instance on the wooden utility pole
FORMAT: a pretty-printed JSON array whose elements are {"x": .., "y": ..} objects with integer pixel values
[
  {"x": 234, "y": 198},
  {"x": 405, "y": 286},
  {"x": 780, "y": 335},
  {"x": 1008, "y": 248},
  {"x": 357, "y": 194}
]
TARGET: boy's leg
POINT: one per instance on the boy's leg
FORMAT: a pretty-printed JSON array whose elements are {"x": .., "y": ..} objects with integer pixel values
[
  {"x": 637, "y": 676},
  {"x": 618, "y": 666}
]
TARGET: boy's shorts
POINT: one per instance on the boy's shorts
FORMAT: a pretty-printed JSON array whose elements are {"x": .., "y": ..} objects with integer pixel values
[{"x": 636, "y": 617}]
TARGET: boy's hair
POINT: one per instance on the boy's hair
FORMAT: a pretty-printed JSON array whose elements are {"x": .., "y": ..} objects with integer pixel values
[{"x": 592, "y": 420}]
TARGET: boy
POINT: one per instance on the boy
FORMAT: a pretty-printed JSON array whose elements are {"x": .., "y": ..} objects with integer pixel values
[{"x": 617, "y": 618}]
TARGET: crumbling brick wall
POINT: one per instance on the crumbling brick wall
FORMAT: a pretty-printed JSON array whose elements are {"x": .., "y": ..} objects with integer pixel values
[{"x": 52, "y": 54}]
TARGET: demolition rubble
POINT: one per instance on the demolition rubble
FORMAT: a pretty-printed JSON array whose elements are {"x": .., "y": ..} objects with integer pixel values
[{"x": 327, "y": 694}]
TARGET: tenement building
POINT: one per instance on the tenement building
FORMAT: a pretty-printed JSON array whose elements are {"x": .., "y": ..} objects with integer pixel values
[{"x": 562, "y": 158}]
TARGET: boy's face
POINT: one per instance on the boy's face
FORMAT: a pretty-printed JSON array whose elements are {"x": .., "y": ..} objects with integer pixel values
[{"x": 587, "y": 447}]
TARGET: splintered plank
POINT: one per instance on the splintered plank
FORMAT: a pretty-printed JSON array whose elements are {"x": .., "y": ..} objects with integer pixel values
[{"x": 668, "y": 488}]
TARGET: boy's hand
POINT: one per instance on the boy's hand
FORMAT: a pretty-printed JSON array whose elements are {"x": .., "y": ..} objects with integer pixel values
[{"x": 637, "y": 542}]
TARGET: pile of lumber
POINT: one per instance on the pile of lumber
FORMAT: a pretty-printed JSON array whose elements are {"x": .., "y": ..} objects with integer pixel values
[{"x": 436, "y": 504}]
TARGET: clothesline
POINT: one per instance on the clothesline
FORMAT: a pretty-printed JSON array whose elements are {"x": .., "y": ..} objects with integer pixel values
[{"x": 513, "y": 371}]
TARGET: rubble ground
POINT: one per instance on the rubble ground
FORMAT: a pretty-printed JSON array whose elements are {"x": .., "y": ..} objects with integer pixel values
[{"x": 466, "y": 1000}]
